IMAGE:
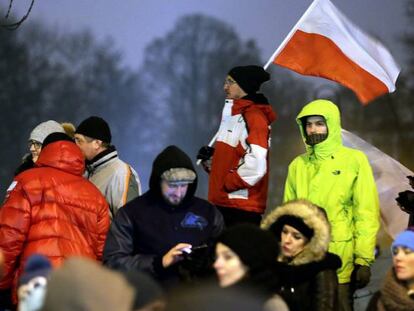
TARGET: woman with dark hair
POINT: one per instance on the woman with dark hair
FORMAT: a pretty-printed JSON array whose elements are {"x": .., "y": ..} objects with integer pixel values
[
  {"x": 245, "y": 259},
  {"x": 306, "y": 270},
  {"x": 397, "y": 291}
]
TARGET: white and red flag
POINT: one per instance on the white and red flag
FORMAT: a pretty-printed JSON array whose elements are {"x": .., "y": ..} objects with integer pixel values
[{"x": 325, "y": 43}]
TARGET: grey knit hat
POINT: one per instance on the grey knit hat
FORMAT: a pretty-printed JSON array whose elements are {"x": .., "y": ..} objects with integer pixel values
[
  {"x": 40, "y": 132},
  {"x": 179, "y": 175}
]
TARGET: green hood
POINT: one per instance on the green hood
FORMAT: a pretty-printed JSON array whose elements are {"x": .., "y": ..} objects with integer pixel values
[{"x": 330, "y": 112}]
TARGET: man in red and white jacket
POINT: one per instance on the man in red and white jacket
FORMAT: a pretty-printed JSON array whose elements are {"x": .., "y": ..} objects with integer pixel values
[{"x": 239, "y": 168}]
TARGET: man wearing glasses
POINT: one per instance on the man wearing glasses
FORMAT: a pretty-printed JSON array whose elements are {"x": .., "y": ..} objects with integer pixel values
[{"x": 240, "y": 164}]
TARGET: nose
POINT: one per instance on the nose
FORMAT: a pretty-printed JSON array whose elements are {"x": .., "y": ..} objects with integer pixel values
[
  {"x": 287, "y": 239},
  {"x": 217, "y": 263},
  {"x": 32, "y": 148},
  {"x": 312, "y": 128},
  {"x": 179, "y": 191}
]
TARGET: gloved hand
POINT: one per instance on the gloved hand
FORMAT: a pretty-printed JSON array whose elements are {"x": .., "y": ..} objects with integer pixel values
[
  {"x": 205, "y": 154},
  {"x": 360, "y": 276},
  {"x": 406, "y": 200}
]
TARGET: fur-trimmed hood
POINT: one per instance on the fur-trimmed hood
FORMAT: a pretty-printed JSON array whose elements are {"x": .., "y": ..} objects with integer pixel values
[{"x": 315, "y": 218}]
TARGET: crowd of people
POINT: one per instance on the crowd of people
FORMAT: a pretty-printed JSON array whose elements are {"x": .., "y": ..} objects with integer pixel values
[{"x": 76, "y": 233}]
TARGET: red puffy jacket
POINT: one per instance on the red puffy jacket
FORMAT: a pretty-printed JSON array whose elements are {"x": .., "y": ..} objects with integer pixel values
[{"x": 52, "y": 210}]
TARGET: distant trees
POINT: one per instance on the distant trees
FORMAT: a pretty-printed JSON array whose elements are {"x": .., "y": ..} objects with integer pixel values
[
  {"x": 66, "y": 77},
  {"x": 184, "y": 73}
]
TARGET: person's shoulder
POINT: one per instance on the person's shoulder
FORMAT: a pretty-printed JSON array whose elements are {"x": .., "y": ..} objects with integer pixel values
[
  {"x": 301, "y": 158},
  {"x": 354, "y": 154},
  {"x": 203, "y": 205}
]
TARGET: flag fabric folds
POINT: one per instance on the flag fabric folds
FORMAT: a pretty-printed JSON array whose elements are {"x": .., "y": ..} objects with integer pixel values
[
  {"x": 390, "y": 178},
  {"x": 325, "y": 43}
]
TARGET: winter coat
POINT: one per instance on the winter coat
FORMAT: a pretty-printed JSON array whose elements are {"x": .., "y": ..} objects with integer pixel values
[
  {"x": 393, "y": 296},
  {"x": 340, "y": 180},
  {"x": 148, "y": 227},
  {"x": 308, "y": 281},
  {"x": 240, "y": 166},
  {"x": 52, "y": 210},
  {"x": 116, "y": 180}
]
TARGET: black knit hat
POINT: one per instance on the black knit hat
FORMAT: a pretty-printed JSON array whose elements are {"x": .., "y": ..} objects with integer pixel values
[
  {"x": 256, "y": 248},
  {"x": 51, "y": 138},
  {"x": 95, "y": 127},
  {"x": 293, "y": 221},
  {"x": 249, "y": 78}
]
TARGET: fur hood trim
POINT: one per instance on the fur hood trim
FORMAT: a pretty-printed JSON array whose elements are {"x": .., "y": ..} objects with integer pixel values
[{"x": 314, "y": 217}]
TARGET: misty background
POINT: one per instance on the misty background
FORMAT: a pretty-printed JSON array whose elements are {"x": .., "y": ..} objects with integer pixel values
[{"x": 155, "y": 70}]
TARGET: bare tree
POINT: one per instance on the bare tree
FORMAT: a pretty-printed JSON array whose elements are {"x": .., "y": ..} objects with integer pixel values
[
  {"x": 184, "y": 72},
  {"x": 14, "y": 25}
]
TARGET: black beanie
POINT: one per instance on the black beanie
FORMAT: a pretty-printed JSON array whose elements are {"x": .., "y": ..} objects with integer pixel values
[
  {"x": 51, "y": 138},
  {"x": 95, "y": 127},
  {"x": 256, "y": 248},
  {"x": 293, "y": 221},
  {"x": 249, "y": 78}
]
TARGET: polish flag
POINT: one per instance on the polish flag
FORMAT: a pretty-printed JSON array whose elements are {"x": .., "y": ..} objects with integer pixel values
[{"x": 325, "y": 43}]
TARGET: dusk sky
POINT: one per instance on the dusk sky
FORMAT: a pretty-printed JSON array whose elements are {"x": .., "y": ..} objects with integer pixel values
[{"x": 133, "y": 24}]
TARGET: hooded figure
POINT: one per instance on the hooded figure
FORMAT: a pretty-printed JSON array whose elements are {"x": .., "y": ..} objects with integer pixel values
[
  {"x": 340, "y": 180},
  {"x": 152, "y": 232},
  {"x": 307, "y": 275}
]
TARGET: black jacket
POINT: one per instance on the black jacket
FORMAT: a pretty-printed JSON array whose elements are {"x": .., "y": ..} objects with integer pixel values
[
  {"x": 308, "y": 281},
  {"x": 148, "y": 227},
  {"x": 311, "y": 286}
]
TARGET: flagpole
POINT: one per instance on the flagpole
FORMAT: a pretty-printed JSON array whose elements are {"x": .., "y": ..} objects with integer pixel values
[
  {"x": 290, "y": 34},
  {"x": 281, "y": 46}
]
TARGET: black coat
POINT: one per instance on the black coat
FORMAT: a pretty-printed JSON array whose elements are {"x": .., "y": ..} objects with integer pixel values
[
  {"x": 147, "y": 227},
  {"x": 310, "y": 286}
]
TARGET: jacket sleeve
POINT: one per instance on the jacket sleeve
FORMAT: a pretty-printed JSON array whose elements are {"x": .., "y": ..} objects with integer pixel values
[
  {"x": 103, "y": 227},
  {"x": 125, "y": 186},
  {"x": 325, "y": 291},
  {"x": 253, "y": 166},
  {"x": 365, "y": 214},
  {"x": 119, "y": 247},
  {"x": 290, "y": 188},
  {"x": 14, "y": 227},
  {"x": 218, "y": 224}
]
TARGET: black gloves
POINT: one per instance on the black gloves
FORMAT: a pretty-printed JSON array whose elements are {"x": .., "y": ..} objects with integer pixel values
[
  {"x": 205, "y": 153},
  {"x": 360, "y": 276},
  {"x": 406, "y": 200}
]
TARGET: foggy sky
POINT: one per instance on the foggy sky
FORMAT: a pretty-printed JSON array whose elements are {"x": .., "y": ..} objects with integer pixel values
[{"x": 133, "y": 24}]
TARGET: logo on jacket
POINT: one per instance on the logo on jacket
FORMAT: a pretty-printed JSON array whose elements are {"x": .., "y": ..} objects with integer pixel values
[
  {"x": 192, "y": 220},
  {"x": 336, "y": 172}
]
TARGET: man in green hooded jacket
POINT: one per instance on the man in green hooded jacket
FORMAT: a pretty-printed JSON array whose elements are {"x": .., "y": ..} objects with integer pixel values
[{"x": 340, "y": 180}]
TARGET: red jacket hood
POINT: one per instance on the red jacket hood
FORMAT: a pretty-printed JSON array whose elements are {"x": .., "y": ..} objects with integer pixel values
[
  {"x": 240, "y": 106},
  {"x": 63, "y": 155}
]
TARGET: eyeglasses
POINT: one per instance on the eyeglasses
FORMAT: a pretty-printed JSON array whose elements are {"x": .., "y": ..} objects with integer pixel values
[
  {"x": 34, "y": 143},
  {"x": 229, "y": 81}
]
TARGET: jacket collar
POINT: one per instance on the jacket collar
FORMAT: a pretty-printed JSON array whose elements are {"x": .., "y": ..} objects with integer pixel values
[{"x": 102, "y": 159}]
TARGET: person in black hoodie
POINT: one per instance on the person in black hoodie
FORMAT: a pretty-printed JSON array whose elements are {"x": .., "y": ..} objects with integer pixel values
[
  {"x": 158, "y": 230},
  {"x": 306, "y": 270}
]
